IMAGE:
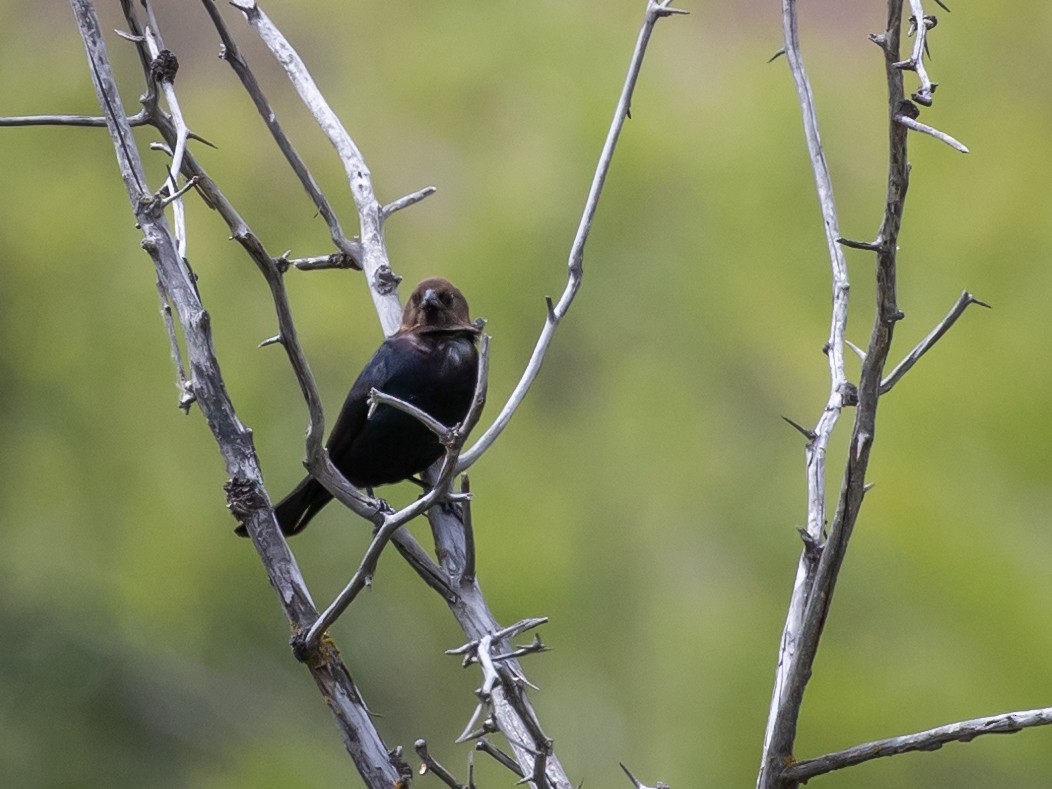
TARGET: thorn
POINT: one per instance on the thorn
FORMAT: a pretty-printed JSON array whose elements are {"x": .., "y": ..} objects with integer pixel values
[
  {"x": 858, "y": 351},
  {"x": 664, "y": 9},
  {"x": 139, "y": 39},
  {"x": 551, "y": 308},
  {"x": 873, "y": 246},
  {"x": 812, "y": 546},
  {"x": 771, "y": 59},
  {"x": 809, "y": 434},
  {"x": 635, "y": 781},
  {"x": 861, "y": 443},
  {"x": 973, "y": 300},
  {"x": 277, "y": 338}
]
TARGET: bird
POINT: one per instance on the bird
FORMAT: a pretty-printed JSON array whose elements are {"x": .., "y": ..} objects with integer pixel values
[{"x": 431, "y": 362}]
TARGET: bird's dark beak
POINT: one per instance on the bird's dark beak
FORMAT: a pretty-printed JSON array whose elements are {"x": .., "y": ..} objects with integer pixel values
[{"x": 430, "y": 301}]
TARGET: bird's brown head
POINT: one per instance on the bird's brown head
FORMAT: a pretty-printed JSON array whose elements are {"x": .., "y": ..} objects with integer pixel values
[{"x": 436, "y": 305}]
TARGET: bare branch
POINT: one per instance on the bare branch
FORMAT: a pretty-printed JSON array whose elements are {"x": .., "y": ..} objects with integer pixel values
[
  {"x": 930, "y": 740},
  {"x": 374, "y": 260},
  {"x": 575, "y": 264},
  {"x": 408, "y": 200},
  {"x": 933, "y": 336},
  {"x": 350, "y": 249},
  {"x": 335, "y": 260},
  {"x": 245, "y": 492},
  {"x": 799, "y": 651},
  {"x": 139, "y": 119},
  {"x": 923, "y": 128},
  {"x": 377, "y": 398}
]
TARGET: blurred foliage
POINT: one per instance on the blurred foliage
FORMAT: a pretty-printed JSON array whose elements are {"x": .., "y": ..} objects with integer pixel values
[{"x": 646, "y": 496}]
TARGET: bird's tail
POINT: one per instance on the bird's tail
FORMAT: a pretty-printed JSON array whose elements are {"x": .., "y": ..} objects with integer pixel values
[{"x": 295, "y": 510}]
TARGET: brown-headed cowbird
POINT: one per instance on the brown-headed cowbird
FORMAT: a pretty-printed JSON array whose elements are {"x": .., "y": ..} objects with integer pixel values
[{"x": 431, "y": 362}]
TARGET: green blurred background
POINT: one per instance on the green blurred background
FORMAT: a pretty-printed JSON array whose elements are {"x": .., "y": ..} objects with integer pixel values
[{"x": 647, "y": 495}]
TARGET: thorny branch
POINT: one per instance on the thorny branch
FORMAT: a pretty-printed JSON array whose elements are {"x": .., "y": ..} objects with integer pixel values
[
  {"x": 575, "y": 264},
  {"x": 820, "y": 560},
  {"x": 498, "y": 674},
  {"x": 919, "y": 27},
  {"x": 272, "y": 268},
  {"x": 513, "y": 715},
  {"x": 246, "y": 495}
]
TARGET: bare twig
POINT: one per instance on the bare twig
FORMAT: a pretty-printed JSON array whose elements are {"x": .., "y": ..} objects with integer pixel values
[
  {"x": 485, "y": 746},
  {"x": 575, "y": 264},
  {"x": 335, "y": 260},
  {"x": 923, "y": 128},
  {"x": 430, "y": 765},
  {"x": 377, "y": 398},
  {"x": 408, "y": 200},
  {"x": 933, "y": 337},
  {"x": 930, "y": 740},
  {"x": 139, "y": 119},
  {"x": 374, "y": 259}
]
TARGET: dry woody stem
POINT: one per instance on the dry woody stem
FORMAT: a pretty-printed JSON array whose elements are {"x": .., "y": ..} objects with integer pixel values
[{"x": 823, "y": 554}]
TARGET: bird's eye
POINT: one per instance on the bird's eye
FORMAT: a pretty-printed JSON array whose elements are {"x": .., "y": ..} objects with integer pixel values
[{"x": 446, "y": 298}]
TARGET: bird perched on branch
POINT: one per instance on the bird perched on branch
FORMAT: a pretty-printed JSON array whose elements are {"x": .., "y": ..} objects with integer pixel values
[{"x": 430, "y": 362}]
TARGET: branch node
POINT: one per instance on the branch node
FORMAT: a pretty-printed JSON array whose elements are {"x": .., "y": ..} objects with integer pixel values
[
  {"x": 848, "y": 393},
  {"x": 164, "y": 67}
]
